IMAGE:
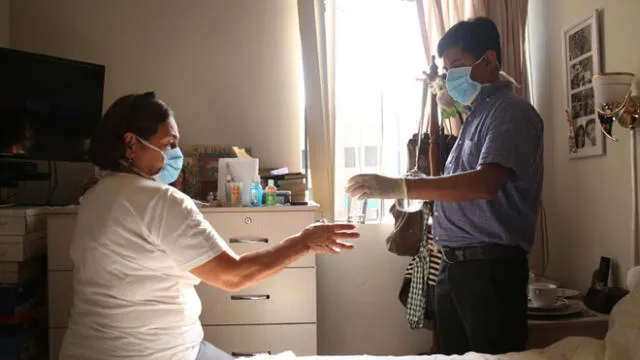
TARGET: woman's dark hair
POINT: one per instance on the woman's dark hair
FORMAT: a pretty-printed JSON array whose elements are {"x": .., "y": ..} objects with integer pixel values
[
  {"x": 139, "y": 114},
  {"x": 475, "y": 36}
]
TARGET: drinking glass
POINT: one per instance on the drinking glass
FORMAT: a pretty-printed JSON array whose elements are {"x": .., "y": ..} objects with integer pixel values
[
  {"x": 411, "y": 205},
  {"x": 356, "y": 210}
]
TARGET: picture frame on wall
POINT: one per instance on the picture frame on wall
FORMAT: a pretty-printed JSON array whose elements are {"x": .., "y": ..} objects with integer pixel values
[{"x": 581, "y": 50}]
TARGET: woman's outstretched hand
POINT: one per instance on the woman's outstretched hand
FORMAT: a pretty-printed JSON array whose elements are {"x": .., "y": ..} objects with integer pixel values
[{"x": 325, "y": 238}]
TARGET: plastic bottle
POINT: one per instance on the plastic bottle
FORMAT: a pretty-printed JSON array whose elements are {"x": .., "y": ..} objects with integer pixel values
[
  {"x": 236, "y": 194},
  {"x": 255, "y": 192},
  {"x": 270, "y": 194},
  {"x": 227, "y": 188}
]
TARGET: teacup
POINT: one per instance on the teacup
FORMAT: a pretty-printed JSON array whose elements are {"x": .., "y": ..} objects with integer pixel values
[{"x": 543, "y": 294}]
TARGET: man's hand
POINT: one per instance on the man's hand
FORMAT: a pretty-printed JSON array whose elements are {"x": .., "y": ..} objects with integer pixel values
[{"x": 370, "y": 186}]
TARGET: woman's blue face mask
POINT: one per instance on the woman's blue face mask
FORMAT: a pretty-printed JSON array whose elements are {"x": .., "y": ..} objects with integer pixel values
[{"x": 173, "y": 160}]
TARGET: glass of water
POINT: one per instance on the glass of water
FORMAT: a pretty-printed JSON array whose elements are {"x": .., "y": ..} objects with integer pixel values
[
  {"x": 411, "y": 205},
  {"x": 357, "y": 211}
]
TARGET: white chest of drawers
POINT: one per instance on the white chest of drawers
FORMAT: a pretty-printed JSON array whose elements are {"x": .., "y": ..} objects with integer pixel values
[{"x": 276, "y": 315}]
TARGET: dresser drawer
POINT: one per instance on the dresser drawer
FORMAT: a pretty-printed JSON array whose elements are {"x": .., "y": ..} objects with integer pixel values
[
  {"x": 251, "y": 339},
  {"x": 60, "y": 298},
  {"x": 240, "y": 340},
  {"x": 250, "y": 231},
  {"x": 20, "y": 221},
  {"x": 288, "y": 297},
  {"x": 16, "y": 248},
  {"x": 55, "y": 342},
  {"x": 60, "y": 230}
]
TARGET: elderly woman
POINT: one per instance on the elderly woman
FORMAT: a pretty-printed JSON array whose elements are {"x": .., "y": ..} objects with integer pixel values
[{"x": 140, "y": 246}]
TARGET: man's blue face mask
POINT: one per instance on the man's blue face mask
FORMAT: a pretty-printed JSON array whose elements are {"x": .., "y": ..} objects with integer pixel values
[
  {"x": 173, "y": 160},
  {"x": 460, "y": 85}
]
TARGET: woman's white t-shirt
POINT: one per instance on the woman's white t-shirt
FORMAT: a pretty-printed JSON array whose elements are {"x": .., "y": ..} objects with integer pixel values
[{"x": 134, "y": 298}]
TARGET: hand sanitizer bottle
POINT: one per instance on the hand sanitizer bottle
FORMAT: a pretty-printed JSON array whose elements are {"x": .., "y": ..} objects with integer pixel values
[
  {"x": 255, "y": 192},
  {"x": 270, "y": 194}
]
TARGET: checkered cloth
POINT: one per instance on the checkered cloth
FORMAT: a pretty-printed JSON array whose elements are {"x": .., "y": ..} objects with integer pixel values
[{"x": 423, "y": 271}]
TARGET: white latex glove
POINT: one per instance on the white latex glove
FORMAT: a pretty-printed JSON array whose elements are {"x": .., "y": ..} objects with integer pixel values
[{"x": 371, "y": 186}]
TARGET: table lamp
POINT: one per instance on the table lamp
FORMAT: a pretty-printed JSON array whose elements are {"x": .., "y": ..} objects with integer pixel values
[{"x": 615, "y": 104}]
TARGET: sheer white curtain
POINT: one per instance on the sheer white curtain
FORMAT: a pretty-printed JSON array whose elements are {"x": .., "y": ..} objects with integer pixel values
[
  {"x": 377, "y": 58},
  {"x": 361, "y": 60},
  {"x": 318, "y": 112}
]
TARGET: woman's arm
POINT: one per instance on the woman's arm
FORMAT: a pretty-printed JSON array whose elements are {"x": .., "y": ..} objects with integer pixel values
[{"x": 231, "y": 272}]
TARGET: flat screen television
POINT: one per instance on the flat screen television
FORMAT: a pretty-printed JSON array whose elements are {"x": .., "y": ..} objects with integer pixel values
[{"x": 48, "y": 106}]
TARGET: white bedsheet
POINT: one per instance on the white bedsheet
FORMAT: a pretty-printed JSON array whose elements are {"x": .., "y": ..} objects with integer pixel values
[
  {"x": 621, "y": 343},
  {"x": 568, "y": 349}
]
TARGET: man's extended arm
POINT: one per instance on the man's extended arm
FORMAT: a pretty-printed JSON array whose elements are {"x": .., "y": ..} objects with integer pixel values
[{"x": 482, "y": 183}]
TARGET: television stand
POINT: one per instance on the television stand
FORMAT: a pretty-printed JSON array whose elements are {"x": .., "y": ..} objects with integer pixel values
[
  {"x": 6, "y": 204},
  {"x": 4, "y": 196}
]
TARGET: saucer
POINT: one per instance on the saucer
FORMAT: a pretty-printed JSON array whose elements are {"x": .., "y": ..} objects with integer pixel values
[
  {"x": 568, "y": 293},
  {"x": 560, "y": 305},
  {"x": 571, "y": 309}
]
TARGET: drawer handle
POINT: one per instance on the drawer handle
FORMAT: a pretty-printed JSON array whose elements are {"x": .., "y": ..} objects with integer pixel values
[
  {"x": 248, "y": 240},
  {"x": 250, "y": 297},
  {"x": 242, "y": 354}
]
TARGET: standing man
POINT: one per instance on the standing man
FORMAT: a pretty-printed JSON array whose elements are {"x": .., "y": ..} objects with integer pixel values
[{"x": 486, "y": 202}]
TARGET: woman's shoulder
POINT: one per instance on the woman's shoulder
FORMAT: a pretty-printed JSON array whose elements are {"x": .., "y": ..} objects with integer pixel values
[{"x": 132, "y": 188}]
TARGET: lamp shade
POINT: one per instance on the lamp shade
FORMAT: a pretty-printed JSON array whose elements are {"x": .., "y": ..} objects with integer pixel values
[
  {"x": 611, "y": 88},
  {"x": 633, "y": 277}
]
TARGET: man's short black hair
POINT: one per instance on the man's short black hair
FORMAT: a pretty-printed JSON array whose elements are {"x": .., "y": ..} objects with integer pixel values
[{"x": 475, "y": 36}]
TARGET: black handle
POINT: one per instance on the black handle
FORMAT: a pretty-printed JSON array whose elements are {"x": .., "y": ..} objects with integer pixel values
[
  {"x": 603, "y": 271},
  {"x": 250, "y": 297},
  {"x": 242, "y": 354}
]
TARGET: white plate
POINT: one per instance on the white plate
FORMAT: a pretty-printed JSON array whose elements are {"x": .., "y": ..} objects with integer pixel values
[
  {"x": 574, "y": 307},
  {"x": 559, "y": 305}
]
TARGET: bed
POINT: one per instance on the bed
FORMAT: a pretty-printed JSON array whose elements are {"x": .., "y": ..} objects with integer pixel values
[{"x": 621, "y": 343}]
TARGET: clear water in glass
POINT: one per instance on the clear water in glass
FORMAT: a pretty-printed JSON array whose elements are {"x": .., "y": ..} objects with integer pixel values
[
  {"x": 411, "y": 205},
  {"x": 357, "y": 210}
]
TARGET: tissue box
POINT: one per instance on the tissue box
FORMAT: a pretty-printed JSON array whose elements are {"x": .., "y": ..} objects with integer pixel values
[{"x": 241, "y": 170}]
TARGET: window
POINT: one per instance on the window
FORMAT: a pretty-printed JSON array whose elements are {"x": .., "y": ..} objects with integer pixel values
[
  {"x": 370, "y": 156},
  {"x": 350, "y": 157},
  {"x": 378, "y": 55}
]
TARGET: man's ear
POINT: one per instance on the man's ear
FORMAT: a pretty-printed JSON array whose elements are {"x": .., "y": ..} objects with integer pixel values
[{"x": 491, "y": 59}]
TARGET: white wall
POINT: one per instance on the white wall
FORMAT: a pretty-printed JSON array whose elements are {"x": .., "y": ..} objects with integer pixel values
[
  {"x": 231, "y": 69},
  {"x": 4, "y": 22},
  {"x": 588, "y": 200}
]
